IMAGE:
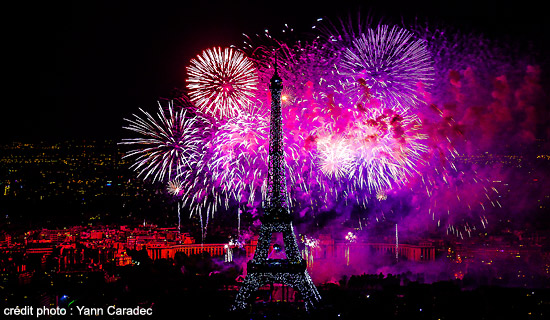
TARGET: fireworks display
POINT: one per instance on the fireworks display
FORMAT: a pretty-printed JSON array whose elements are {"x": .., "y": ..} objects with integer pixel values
[{"x": 370, "y": 115}]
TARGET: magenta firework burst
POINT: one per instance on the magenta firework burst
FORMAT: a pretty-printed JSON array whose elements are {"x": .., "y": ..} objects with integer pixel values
[
  {"x": 168, "y": 144},
  {"x": 232, "y": 165},
  {"x": 389, "y": 65},
  {"x": 237, "y": 158},
  {"x": 389, "y": 147},
  {"x": 222, "y": 83}
]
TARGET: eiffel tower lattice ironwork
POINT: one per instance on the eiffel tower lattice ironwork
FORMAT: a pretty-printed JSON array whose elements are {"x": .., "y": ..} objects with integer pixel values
[{"x": 276, "y": 218}]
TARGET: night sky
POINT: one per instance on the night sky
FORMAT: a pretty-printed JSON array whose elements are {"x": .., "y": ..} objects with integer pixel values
[{"x": 80, "y": 67}]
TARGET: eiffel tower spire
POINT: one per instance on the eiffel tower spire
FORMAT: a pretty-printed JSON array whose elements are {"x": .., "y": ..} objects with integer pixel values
[
  {"x": 276, "y": 206},
  {"x": 276, "y": 218}
]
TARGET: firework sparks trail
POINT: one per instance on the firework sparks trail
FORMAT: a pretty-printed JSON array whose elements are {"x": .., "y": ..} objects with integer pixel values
[
  {"x": 396, "y": 244},
  {"x": 471, "y": 112},
  {"x": 309, "y": 245},
  {"x": 175, "y": 188},
  {"x": 237, "y": 161},
  {"x": 233, "y": 243},
  {"x": 350, "y": 238}
]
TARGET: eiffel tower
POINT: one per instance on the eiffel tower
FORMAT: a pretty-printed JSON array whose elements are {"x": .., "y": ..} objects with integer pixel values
[{"x": 276, "y": 218}]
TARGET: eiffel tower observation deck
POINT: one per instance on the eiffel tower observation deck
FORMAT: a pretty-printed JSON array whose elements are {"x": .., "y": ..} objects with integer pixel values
[{"x": 261, "y": 270}]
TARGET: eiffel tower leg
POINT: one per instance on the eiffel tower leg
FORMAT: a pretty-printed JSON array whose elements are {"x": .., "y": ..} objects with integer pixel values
[
  {"x": 300, "y": 282},
  {"x": 303, "y": 283},
  {"x": 264, "y": 241},
  {"x": 291, "y": 246},
  {"x": 250, "y": 285}
]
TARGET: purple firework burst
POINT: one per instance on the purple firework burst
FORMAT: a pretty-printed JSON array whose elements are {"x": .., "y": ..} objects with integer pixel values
[{"x": 388, "y": 65}]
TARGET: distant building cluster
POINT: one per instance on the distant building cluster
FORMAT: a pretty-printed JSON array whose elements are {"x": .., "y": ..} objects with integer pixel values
[
  {"x": 76, "y": 168},
  {"x": 85, "y": 181},
  {"x": 82, "y": 249},
  {"x": 76, "y": 255},
  {"x": 489, "y": 158}
]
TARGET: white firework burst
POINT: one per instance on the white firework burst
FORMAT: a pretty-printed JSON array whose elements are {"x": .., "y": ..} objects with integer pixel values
[
  {"x": 169, "y": 144},
  {"x": 222, "y": 83}
]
